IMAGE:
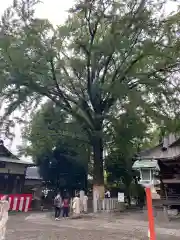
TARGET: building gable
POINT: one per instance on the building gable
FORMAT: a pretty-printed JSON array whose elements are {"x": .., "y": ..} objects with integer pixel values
[
  {"x": 168, "y": 149},
  {"x": 4, "y": 152}
]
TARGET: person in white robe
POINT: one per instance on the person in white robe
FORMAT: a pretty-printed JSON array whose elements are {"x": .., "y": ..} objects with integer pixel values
[
  {"x": 76, "y": 205},
  {"x": 85, "y": 203}
]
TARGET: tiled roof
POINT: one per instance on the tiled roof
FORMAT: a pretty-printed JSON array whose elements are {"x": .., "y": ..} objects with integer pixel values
[
  {"x": 7, "y": 156},
  {"x": 18, "y": 161},
  {"x": 168, "y": 149},
  {"x": 4, "y": 152}
]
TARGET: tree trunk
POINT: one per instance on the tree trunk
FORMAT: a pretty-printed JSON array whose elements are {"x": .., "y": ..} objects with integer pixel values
[
  {"x": 98, "y": 168},
  {"x": 98, "y": 171}
]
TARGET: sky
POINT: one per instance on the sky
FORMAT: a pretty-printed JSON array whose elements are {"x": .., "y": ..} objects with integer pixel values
[{"x": 56, "y": 12}]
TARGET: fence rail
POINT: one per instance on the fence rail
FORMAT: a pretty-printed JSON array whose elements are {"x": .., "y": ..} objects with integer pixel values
[
  {"x": 173, "y": 197},
  {"x": 109, "y": 204}
]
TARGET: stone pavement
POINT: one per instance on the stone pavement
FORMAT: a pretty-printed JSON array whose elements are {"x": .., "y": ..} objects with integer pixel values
[{"x": 41, "y": 226}]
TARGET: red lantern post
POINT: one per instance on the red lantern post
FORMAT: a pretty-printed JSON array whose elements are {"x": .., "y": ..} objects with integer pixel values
[{"x": 150, "y": 213}]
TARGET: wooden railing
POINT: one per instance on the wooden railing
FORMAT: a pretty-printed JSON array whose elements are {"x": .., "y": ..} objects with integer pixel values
[
  {"x": 172, "y": 196},
  {"x": 171, "y": 199},
  {"x": 109, "y": 204}
]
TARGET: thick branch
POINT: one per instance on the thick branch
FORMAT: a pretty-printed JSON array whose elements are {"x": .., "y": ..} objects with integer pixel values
[
  {"x": 60, "y": 92},
  {"x": 108, "y": 102},
  {"x": 90, "y": 71}
]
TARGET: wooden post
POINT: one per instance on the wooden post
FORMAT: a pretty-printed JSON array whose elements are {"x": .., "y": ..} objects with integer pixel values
[{"x": 150, "y": 214}]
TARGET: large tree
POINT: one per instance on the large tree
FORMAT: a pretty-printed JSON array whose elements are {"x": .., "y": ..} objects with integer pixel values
[{"x": 109, "y": 53}]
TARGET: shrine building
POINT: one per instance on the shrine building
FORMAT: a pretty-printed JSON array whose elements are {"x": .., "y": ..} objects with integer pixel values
[
  {"x": 167, "y": 155},
  {"x": 12, "y": 172}
]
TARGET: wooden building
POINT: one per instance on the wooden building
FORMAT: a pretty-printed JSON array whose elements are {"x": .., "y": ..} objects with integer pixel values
[
  {"x": 167, "y": 153},
  {"x": 34, "y": 185},
  {"x": 33, "y": 182},
  {"x": 33, "y": 178},
  {"x": 12, "y": 172}
]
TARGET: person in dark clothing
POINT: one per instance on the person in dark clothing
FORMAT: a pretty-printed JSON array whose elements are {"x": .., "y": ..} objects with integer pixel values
[
  {"x": 141, "y": 199},
  {"x": 65, "y": 207},
  {"x": 42, "y": 202},
  {"x": 57, "y": 213},
  {"x": 57, "y": 205}
]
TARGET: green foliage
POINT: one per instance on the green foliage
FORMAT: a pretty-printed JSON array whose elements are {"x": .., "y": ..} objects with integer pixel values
[
  {"x": 61, "y": 169},
  {"x": 51, "y": 128},
  {"x": 108, "y": 57},
  {"x": 127, "y": 135},
  {"x": 130, "y": 134},
  {"x": 58, "y": 146}
]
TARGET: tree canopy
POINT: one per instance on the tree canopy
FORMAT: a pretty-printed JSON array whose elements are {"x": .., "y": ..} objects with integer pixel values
[
  {"x": 58, "y": 147},
  {"x": 60, "y": 168},
  {"x": 128, "y": 136},
  {"x": 109, "y": 56},
  {"x": 50, "y": 127}
]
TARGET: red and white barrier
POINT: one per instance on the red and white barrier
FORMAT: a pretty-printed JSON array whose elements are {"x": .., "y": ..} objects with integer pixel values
[{"x": 19, "y": 202}]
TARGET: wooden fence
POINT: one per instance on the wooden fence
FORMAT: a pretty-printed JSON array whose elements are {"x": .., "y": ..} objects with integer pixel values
[{"x": 108, "y": 205}]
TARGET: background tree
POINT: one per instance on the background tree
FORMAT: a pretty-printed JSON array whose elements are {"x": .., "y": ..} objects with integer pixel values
[
  {"x": 51, "y": 126},
  {"x": 107, "y": 54},
  {"x": 58, "y": 147},
  {"x": 61, "y": 169},
  {"x": 129, "y": 135}
]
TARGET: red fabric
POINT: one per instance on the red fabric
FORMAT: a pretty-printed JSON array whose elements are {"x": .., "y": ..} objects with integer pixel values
[
  {"x": 19, "y": 202},
  {"x": 66, "y": 203}
]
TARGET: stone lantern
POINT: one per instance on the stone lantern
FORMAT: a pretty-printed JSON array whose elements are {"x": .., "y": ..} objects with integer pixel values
[{"x": 149, "y": 171}]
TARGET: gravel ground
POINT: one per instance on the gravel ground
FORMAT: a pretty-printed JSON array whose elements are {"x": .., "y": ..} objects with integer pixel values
[{"x": 41, "y": 226}]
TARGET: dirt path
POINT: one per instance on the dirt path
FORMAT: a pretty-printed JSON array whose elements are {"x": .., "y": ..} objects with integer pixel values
[{"x": 42, "y": 227}]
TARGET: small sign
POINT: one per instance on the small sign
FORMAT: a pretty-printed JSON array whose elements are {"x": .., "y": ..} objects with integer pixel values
[{"x": 120, "y": 197}]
